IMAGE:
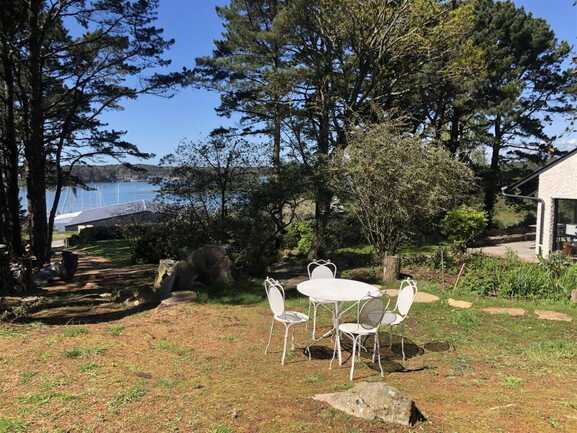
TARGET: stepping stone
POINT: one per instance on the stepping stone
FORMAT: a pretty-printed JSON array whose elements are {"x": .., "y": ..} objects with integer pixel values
[
  {"x": 510, "y": 311},
  {"x": 459, "y": 304},
  {"x": 421, "y": 298},
  {"x": 552, "y": 315}
]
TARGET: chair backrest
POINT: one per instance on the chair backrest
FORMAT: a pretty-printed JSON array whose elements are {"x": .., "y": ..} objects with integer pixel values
[
  {"x": 372, "y": 312},
  {"x": 275, "y": 296},
  {"x": 407, "y": 294},
  {"x": 318, "y": 269}
]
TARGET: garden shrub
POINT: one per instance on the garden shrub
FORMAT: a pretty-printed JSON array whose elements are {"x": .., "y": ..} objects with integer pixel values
[
  {"x": 299, "y": 237},
  {"x": 100, "y": 233},
  {"x": 151, "y": 243},
  {"x": 463, "y": 226}
]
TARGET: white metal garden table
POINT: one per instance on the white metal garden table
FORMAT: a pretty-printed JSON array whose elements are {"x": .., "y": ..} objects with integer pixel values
[{"x": 338, "y": 290}]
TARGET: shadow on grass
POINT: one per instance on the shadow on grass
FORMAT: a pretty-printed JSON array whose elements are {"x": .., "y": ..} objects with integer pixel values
[
  {"x": 391, "y": 354},
  {"x": 248, "y": 292}
]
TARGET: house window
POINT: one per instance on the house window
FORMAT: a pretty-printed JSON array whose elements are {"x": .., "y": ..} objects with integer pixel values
[{"x": 566, "y": 227}]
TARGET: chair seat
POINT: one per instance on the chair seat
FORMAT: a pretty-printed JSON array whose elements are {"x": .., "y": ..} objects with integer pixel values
[
  {"x": 356, "y": 329},
  {"x": 392, "y": 318},
  {"x": 321, "y": 301},
  {"x": 292, "y": 317}
]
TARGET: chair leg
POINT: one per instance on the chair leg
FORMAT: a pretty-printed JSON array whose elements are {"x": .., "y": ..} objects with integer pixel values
[
  {"x": 293, "y": 340},
  {"x": 286, "y": 332},
  {"x": 334, "y": 350},
  {"x": 353, "y": 359},
  {"x": 269, "y": 337},
  {"x": 308, "y": 314},
  {"x": 403, "y": 340},
  {"x": 379, "y": 354},
  {"x": 375, "y": 338}
]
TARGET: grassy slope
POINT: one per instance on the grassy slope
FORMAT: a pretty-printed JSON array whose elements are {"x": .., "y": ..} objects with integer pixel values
[{"x": 201, "y": 368}]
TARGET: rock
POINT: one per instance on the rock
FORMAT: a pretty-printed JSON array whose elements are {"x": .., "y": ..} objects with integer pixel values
[
  {"x": 455, "y": 303},
  {"x": 421, "y": 298},
  {"x": 179, "y": 298},
  {"x": 574, "y": 296},
  {"x": 212, "y": 265},
  {"x": 553, "y": 315},
  {"x": 205, "y": 266},
  {"x": 510, "y": 311},
  {"x": 165, "y": 276},
  {"x": 375, "y": 400}
]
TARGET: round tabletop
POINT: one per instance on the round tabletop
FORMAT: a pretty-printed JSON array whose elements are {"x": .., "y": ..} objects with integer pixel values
[{"x": 337, "y": 289}]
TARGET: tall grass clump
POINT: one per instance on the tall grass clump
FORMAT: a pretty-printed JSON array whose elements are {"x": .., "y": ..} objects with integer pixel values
[{"x": 510, "y": 277}]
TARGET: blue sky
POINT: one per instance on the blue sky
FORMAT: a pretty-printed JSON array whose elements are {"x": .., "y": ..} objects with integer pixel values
[{"x": 157, "y": 125}]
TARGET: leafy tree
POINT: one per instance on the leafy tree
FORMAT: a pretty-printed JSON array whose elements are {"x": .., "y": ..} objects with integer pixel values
[
  {"x": 397, "y": 183},
  {"x": 527, "y": 83},
  {"x": 210, "y": 178},
  {"x": 67, "y": 79},
  {"x": 250, "y": 67}
]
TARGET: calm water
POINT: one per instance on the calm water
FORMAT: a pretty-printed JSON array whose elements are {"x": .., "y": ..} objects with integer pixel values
[{"x": 102, "y": 194}]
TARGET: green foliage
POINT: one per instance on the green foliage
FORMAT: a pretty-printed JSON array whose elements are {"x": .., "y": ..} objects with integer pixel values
[
  {"x": 568, "y": 280},
  {"x": 174, "y": 239},
  {"x": 398, "y": 183},
  {"x": 464, "y": 225},
  {"x": 512, "y": 278},
  {"x": 299, "y": 237},
  {"x": 100, "y": 233}
]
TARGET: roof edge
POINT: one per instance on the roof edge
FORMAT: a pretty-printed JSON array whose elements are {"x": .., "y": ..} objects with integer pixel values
[{"x": 540, "y": 171}]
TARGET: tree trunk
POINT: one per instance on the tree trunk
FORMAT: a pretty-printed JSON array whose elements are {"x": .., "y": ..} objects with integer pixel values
[
  {"x": 492, "y": 179},
  {"x": 391, "y": 268},
  {"x": 12, "y": 190},
  {"x": 35, "y": 151},
  {"x": 322, "y": 212}
]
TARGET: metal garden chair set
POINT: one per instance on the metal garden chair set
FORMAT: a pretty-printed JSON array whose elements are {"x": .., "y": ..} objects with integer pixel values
[{"x": 372, "y": 313}]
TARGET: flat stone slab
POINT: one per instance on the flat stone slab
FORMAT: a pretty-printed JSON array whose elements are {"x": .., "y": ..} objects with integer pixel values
[
  {"x": 455, "y": 303},
  {"x": 515, "y": 312},
  {"x": 421, "y": 298},
  {"x": 375, "y": 400},
  {"x": 553, "y": 315}
]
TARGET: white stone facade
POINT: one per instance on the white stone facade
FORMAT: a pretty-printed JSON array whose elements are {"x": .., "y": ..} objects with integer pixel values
[{"x": 557, "y": 182}]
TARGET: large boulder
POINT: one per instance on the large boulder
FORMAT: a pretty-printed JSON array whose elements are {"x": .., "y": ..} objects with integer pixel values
[
  {"x": 212, "y": 265},
  {"x": 205, "y": 266},
  {"x": 375, "y": 400}
]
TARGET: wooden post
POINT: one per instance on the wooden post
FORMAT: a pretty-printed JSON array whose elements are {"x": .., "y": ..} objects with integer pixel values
[
  {"x": 459, "y": 276},
  {"x": 69, "y": 265},
  {"x": 391, "y": 268},
  {"x": 443, "y": 268}
]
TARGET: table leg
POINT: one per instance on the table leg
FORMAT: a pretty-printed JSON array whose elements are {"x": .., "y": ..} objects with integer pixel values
[{"x": 337, "y": 335}]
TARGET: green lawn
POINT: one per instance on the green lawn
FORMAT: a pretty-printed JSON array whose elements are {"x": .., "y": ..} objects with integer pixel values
[{"x": 118, "y": 251}]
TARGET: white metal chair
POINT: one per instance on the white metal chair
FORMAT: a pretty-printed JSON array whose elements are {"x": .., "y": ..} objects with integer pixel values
[
  {"x": 369, "y": 319},
  {"x": 276, "y": 298},
  {"x": 320, "y": 269},
  {"x": 397, "y": 316}
]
